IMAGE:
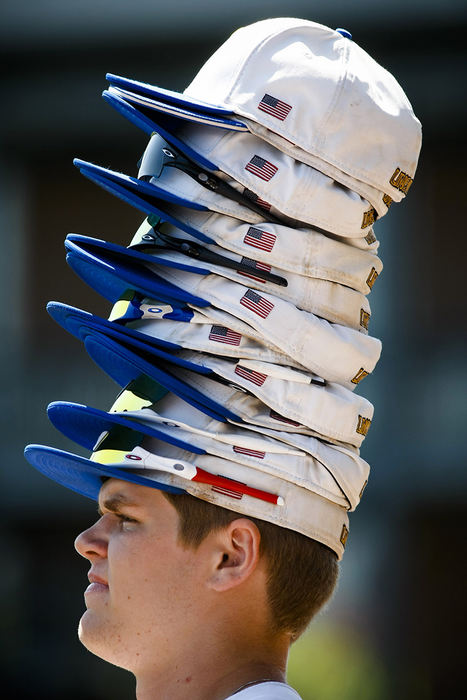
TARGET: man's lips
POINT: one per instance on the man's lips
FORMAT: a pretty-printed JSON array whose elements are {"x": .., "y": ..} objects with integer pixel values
[{"x": 96, "y": 584}]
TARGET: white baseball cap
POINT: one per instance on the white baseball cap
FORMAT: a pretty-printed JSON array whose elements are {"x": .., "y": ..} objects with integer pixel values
[
  {"x": 330, "y": 350},
  {"x": 335, "y": 102},
  {"x": 342, "y": 484},
  {"x": 331, "y": 411},
  {"x": 293, "y": 190},
  {"x": 334, "y": 302},
  {"x": 312, "y": 93},
  {"x": 303, "y": 251}
]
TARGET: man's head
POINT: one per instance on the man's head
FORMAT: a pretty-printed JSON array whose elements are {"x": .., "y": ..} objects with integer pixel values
[{"x": 169, "y": 570}]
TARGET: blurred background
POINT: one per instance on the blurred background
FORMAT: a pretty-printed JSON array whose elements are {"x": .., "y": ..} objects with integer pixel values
[{"x": 395, "y": 627}]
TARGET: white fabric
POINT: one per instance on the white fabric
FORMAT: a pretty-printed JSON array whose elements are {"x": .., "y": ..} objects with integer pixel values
[
  {"x": 303, "y": 251},
  {"x": 346, "y": 111},
  {"x": 257, "y": 412},
  {"x": 332, "y": 472},
  {"x": 292, "y": 188},
  {"x": 331, "y": 351},
  {"x": 269, "y": 690},
  {"x": 331, "y": 411},
  {"x": 334, "y": 302}
]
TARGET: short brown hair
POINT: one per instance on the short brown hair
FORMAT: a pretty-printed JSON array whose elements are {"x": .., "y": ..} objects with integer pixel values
[{"x": 302, "y": 572}]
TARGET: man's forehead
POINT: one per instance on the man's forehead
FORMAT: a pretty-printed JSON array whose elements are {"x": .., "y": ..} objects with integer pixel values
[{"x": 125, "y": 492}]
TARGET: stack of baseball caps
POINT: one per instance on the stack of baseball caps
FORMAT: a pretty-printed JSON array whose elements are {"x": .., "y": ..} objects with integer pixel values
[{"x": 239, "y": 327}]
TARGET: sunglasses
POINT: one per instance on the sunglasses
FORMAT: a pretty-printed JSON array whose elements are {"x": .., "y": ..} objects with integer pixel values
[
  {"x": 160, "y": 154},
  {"x": 158, "y": 238}
]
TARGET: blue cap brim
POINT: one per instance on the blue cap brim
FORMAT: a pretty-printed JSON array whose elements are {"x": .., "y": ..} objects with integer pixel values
[
  {"x": 152, "y": 206},
  {"x": 72, "y": 319},
  {"x": 174, "y": 98},
  {"x": 166, "y": 125},
  {"x": 185, "y": 110},
  {"x": 84, "y": 425},
  {"x": 125, "y": 366},
  {"x": 80, "y": 323},
  {"x": 82, "y": 475},
  {"x": 113, "y": 278},
  {"x": 102, "y": 176},
  {"x": 113, "y": 251}
]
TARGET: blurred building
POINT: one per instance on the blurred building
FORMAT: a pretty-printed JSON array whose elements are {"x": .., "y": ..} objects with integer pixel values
[{"x": 402, "y": 590}]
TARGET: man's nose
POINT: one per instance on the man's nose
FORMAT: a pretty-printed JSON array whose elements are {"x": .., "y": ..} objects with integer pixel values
[{"x": 93, "y": 541}]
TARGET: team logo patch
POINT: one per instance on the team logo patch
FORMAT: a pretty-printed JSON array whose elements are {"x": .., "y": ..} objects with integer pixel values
[
  {"x": 250, "y": 375},
  {"x": 250, "y": 453},
  {"x": 261, "y": 168},
  {"x": 277, "y": 108},
  {"x": 401, "y": 181},
  {"x": 387, "y": 200},
  {"x": 372, "y": 278},
  {"x": 254, "y": 198},
  {"x": 369, "y": 218},
  {"x": 221, "y": 334},
  {"x": 344, "y": 535},
  {"x": 361, "y": 374},
  {"x": 364, "y": 319},
  {"x": 254, "y": 265},
  {"x": 256, "y": 303},
  {"x": 363, "y": 425},
  {"x": 259, "y": 239}
]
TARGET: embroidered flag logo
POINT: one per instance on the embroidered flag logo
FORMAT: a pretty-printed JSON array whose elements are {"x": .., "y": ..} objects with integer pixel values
[
  {"x": 283, "y": 419},
  {"x": 227, "y": 492},
  {"x": 255, "y": 265},
  {"x": 251, "y": 453},
  {"x": 259, "y": 239},
  {"x": 221, "y": 334},
  {"x": 254, "y": 198},
  {"x": 261, "y": 306},
  {"x": 252, "y": 376},
  {"x": 261, "y": 168},
  {"x": 277, "y": 108}
]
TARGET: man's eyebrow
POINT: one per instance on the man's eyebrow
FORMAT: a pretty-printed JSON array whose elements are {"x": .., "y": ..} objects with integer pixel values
[{"x": 114, "y": 503}]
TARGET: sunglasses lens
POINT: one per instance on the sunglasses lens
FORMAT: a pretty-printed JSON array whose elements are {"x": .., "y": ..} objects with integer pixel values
[
  {"x": 157, "y": 155},
  {"x": 140, "y": 393}
]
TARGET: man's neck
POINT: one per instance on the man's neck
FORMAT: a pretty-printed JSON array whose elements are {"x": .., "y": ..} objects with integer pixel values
[{"x": 215, "y": 677}]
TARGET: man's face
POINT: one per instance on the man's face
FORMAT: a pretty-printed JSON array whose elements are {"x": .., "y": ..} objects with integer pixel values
[{"x": 145, "y": 586}]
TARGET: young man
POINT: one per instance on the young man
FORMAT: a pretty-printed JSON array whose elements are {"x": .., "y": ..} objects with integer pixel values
[
  {"x": 224, "y": 509},
  {"x": 195, "y": 601}
]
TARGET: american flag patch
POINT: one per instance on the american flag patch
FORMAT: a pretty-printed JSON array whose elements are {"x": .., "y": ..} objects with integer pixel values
[
  {"x": 261, "y": 168},
  {"x": 221, "y": 334},
  {"x": 227, "y": 492},
  {"x": 254, "y": 198},
  {"x": 250, "y": 375},
  {"x": 283, "y": 419},
  {"x": 251, "y": 453},
  {"x": 261, "y": 306},
  {"x": 277, "y": 108},
  {"x": 254, "y": 265},
  {"x": 259, "y": 239}
]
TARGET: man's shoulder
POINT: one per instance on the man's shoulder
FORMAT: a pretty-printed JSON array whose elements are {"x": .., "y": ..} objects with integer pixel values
[{"x": 270, "y": 690}]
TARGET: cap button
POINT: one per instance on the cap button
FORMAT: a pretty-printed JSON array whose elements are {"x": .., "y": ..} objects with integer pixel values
[{"x": 345, "y": 33}]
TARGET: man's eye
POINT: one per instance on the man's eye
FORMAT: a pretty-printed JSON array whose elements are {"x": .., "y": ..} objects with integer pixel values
[{"x": 125, "y": 518}]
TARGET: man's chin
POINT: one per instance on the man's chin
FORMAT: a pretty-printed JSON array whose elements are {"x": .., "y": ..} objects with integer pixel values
[{"x": 102, "y": 639}]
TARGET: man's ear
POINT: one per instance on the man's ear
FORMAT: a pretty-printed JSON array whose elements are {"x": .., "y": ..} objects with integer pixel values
[{"x": 235, "y": 554}]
